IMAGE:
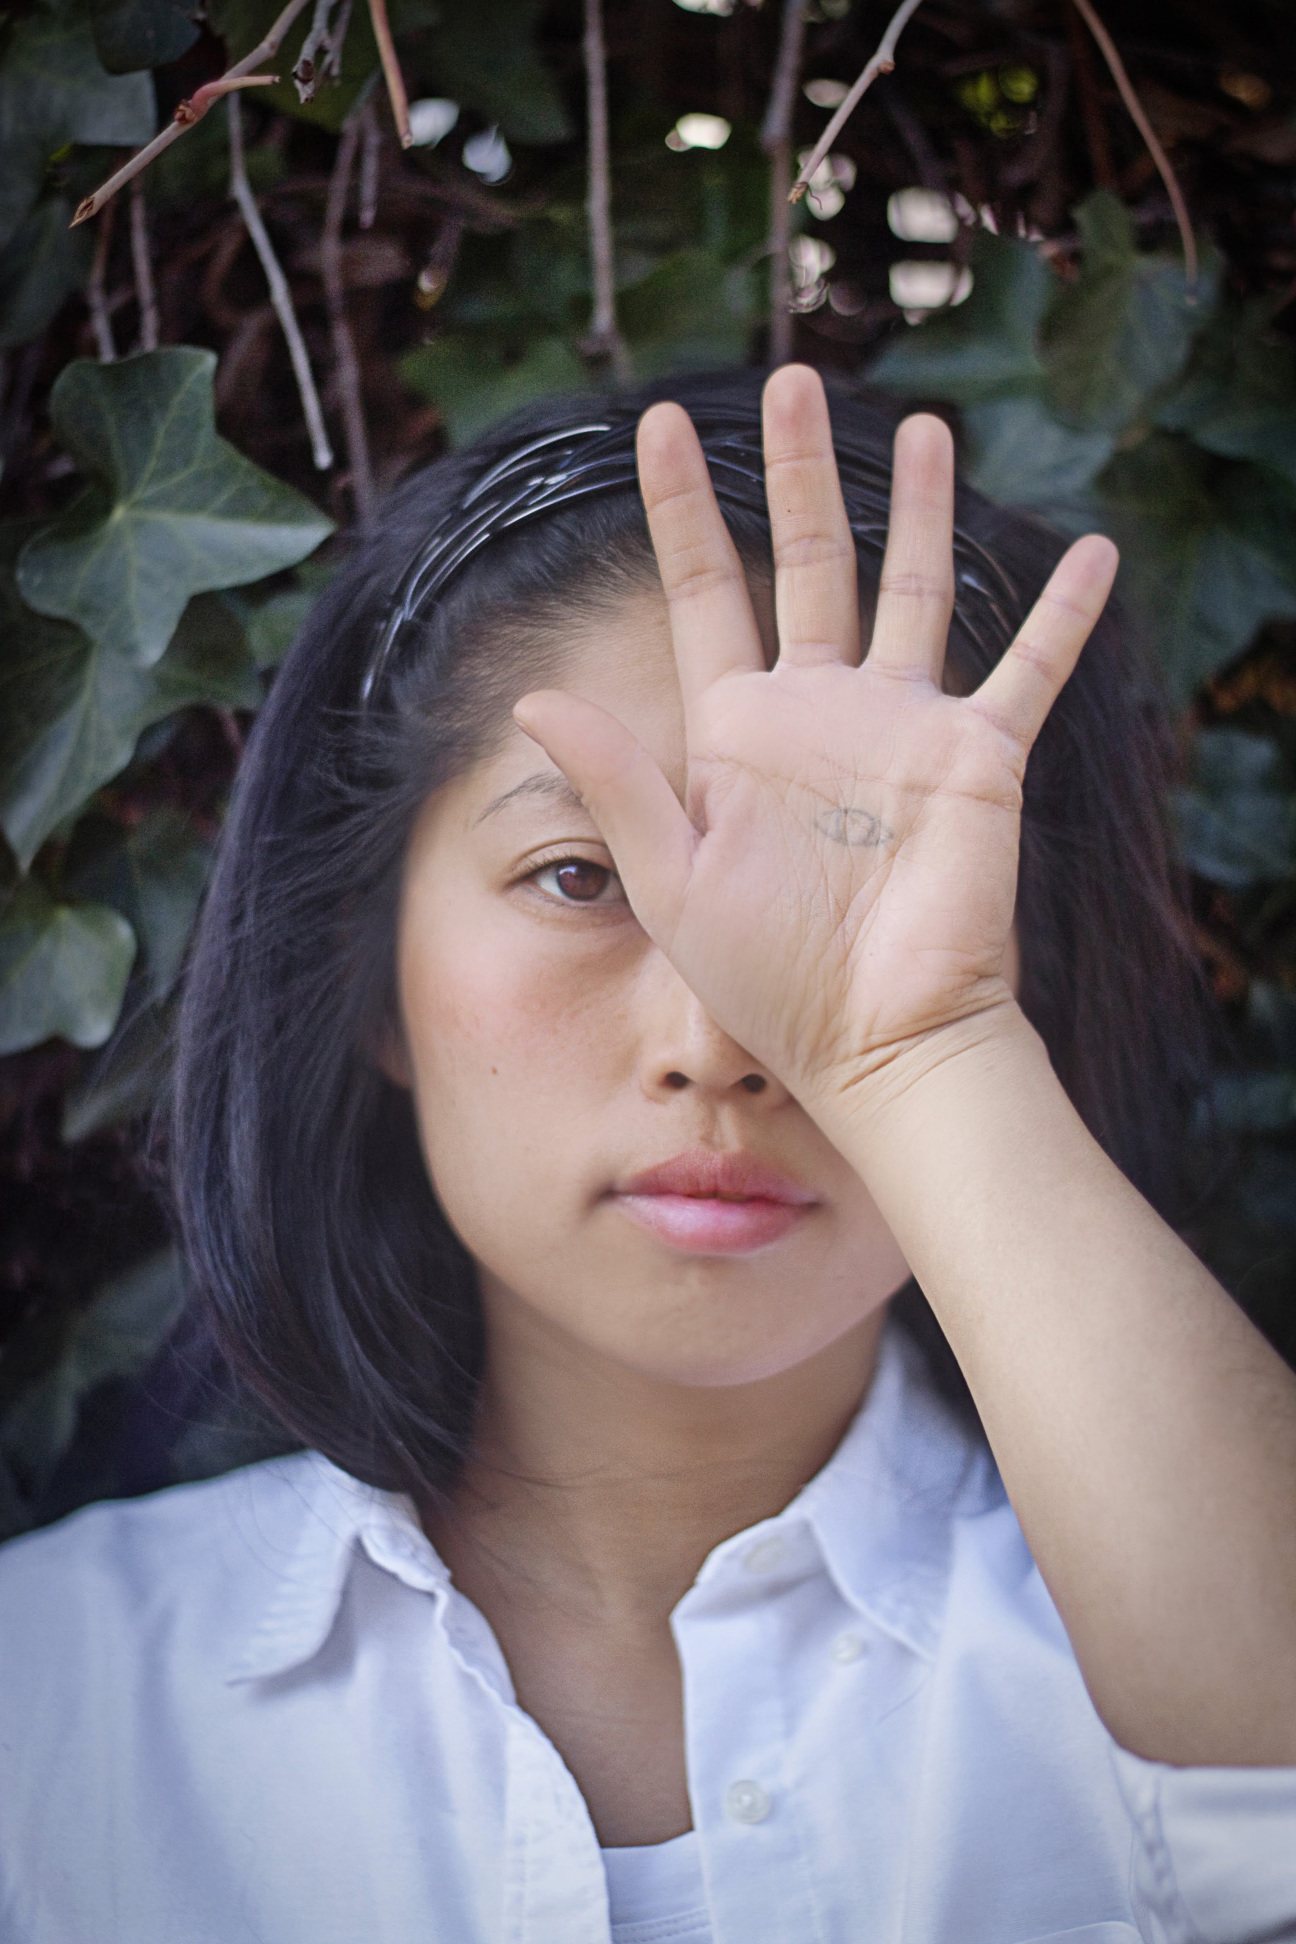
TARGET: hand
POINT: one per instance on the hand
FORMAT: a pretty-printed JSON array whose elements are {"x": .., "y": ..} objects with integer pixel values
[{"x": 838, "y": 885}]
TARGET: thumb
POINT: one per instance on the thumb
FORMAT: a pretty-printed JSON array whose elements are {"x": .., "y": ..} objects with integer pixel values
[{"x": 641, "y": 819}]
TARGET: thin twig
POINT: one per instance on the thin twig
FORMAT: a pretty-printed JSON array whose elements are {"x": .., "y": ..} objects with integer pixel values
[
  {"x": 142, "y": 263},
  {"x": 604, "y": 339},
  {"x": 370, "y": 156},
  {"x": 882, "y": 63},
  {"x": 391, "y": 70},
  {"x": 193, "y": 111},
  {"x": 776, "y": 140},
  {"x": 280, "y": 296},
  {"x": 308, "y": 69},
  {"x": 96, "y": 290},
  {"x": 1138, "y": 116},
  {"x": 345, "y": 363}
]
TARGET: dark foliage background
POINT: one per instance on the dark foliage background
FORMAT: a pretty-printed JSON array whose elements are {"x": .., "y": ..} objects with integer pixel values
[{"x": 164, "y": 525}]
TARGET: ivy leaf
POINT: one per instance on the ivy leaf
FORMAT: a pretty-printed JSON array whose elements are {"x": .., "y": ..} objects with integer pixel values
[
  {"x": 63, "y": 970},
  {"x": 1202, "y": 567},
  {"x": 691, "y": 310},
  {"x": 473, "y": 385},
  {"x": 171, "y": 509},
  {"x": 53, "y": 91},
  {"x": 71, "y": 713},
  {"x": 1239, "y": 398},
  {"x": 1122, "y": 330},
  {"x": 154, "y": 875},
  {"x": 987, "y": 345},
  {"x": 40, "y": 266},
  {"x": 1018, "y": 453},
  {"x": 500, "y": 73},
  {"x": 134, "y": 34},
  {"x": 115, "y": 1335},
  {"x": 1237, "y": 823}
]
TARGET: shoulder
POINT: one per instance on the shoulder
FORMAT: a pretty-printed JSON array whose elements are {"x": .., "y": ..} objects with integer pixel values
[{"x": 116, "y": 1580}]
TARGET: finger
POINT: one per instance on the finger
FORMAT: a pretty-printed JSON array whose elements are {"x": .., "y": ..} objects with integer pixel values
[
  {"x": 815, "y": 595},
  {"x": 713, "y": 627},
  {"x": 916, "y": 592},
  {"x": 1020, "y": 690},
  {"x": 639, "y": 815}
]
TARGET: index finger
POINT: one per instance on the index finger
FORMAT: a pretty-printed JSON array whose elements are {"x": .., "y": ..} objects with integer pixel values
[{"x": 713, "y": 626}]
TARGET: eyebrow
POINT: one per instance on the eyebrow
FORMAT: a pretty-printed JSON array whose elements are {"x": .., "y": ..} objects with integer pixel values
[{"x": 545, "y": 783}]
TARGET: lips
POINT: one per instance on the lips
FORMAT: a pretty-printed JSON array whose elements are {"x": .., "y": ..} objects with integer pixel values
[{"x": 707, "y": 1203}]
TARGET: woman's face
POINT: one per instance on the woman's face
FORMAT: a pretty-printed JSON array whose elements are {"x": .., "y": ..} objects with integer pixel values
[{"x": 554, "y": 1055}]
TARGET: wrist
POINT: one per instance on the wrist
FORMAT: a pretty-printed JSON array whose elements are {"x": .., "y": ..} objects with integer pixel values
[{"x": 860, "y": 1100}]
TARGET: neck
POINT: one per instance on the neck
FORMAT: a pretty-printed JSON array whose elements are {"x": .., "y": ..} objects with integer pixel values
[{"x": 606, "y": 1489}]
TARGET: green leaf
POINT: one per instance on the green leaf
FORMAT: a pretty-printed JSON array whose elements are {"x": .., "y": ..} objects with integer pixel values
[
  {"x": 1200, "y": 566},
  {"x": 494, "y": 64},
  {"x": 126, "y": 1078},
  {"x": 985, "y": 346},
  {"x": 171, "y": 509},
  {"x": 1237, "y": 823},
  {"x": 71, "y": 713},
  {"x": 40, "y": 266},
  {"x": 115, "y": 1335},
  {"x": 690, "y": 311},
  {"x": 53, "y": 91},
  {"x": 1018, "y": 453},
  {"x": 154, "y": 875},
  {"x": 242, "y": 23},
  {"x": 134, "y": 34},
  {"x": 63, "y": 970},
  {"x": 1239, "y": 398},
  {"x": 473, "y": 385},
  {"x": 1122, "y": 330}
]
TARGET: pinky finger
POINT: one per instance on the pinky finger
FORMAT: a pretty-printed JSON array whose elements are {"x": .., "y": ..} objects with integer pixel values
[{"x": 1020, "y": 690}]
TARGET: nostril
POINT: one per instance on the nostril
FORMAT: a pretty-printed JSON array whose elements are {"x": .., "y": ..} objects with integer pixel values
[
  {"x": 754, "y": 1082},
  {"x": 677, "y": 1080}
]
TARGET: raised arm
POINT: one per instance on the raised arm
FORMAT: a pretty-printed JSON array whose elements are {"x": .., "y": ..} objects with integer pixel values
[{"x": 863, "y": 827}]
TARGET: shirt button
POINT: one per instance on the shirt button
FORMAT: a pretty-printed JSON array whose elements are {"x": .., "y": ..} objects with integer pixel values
[
  {"x": 747, "y": 1802},
  {"x": 763, "y": 1556},
  {"x": 846, "y": 1648}
]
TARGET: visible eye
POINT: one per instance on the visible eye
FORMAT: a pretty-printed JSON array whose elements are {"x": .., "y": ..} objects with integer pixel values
[{"x": 577, "y": 880}]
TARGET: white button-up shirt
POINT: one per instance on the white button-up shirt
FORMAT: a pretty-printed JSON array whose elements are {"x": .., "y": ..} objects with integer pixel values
[{"x": 257, "y": 1711}]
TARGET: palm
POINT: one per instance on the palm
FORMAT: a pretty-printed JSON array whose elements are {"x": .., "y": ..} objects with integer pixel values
[{"x": 841, "y": 877}]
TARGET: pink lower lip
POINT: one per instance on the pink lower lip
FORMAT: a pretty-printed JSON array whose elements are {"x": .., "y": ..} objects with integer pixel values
[{"x": 709, "y": 1226}]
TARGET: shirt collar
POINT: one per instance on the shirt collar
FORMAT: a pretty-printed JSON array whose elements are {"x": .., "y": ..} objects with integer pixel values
[{"x": 880, "y": 1512}]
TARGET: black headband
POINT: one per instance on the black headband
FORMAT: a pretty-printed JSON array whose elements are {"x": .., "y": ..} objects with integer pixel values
[{"x": 557, "y": 469}]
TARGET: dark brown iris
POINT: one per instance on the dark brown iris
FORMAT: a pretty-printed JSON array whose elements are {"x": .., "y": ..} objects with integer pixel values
[{"x": 580, "y": 880}]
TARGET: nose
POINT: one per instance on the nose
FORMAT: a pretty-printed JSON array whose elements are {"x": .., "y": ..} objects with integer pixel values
[{"x": 682, "y": 1046}]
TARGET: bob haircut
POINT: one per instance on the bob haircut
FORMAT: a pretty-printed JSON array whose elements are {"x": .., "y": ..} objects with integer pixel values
[{"x": 328, "y": 1276}]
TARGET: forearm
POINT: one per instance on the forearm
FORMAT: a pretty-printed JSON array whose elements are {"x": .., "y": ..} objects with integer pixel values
[{"x": 1146, "y": 1433}]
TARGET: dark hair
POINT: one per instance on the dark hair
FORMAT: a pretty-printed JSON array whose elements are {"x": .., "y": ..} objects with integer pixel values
[{"x": 330, "y": 1278}]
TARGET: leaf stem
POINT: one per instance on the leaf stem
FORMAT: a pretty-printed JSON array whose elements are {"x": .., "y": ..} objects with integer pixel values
[
  {"x": 604, "y": 339},
  {"x": 882, "y": 63},
  {"x": 1138, "y": 115},
  {"x": 776, "y": 140},
  {"x": 280, "y": 295},
  {"x": 391, "y": 70},
  {"x": 193, "y": 111},
  {"x": 345, "y": 363},
  {"x": 142, "y": 263},
  {"x": 96, "y": 291}
]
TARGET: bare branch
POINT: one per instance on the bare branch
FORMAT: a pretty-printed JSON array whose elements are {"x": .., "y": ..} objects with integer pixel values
[
  {"x": 604, "y": 339},
  {"x": 391, "y": 70},
  {"x": 776, "y": 140},
  {"x": 346, "y": 365},
  {"x": 280, "y": 296},
  {"x": 882, "y": 63},
  {"x": 1138, "y": 115},
  {"x": 142, "y": 263},
  {"x": 193, "y": 111},
  {"x": 370, "y": 156},
  {"x": 310, "y": 69},
  {"x": 96, "y": 291}
]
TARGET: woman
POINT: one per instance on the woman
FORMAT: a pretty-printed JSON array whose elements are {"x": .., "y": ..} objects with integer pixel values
[{"x": 612, "y": 993}]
